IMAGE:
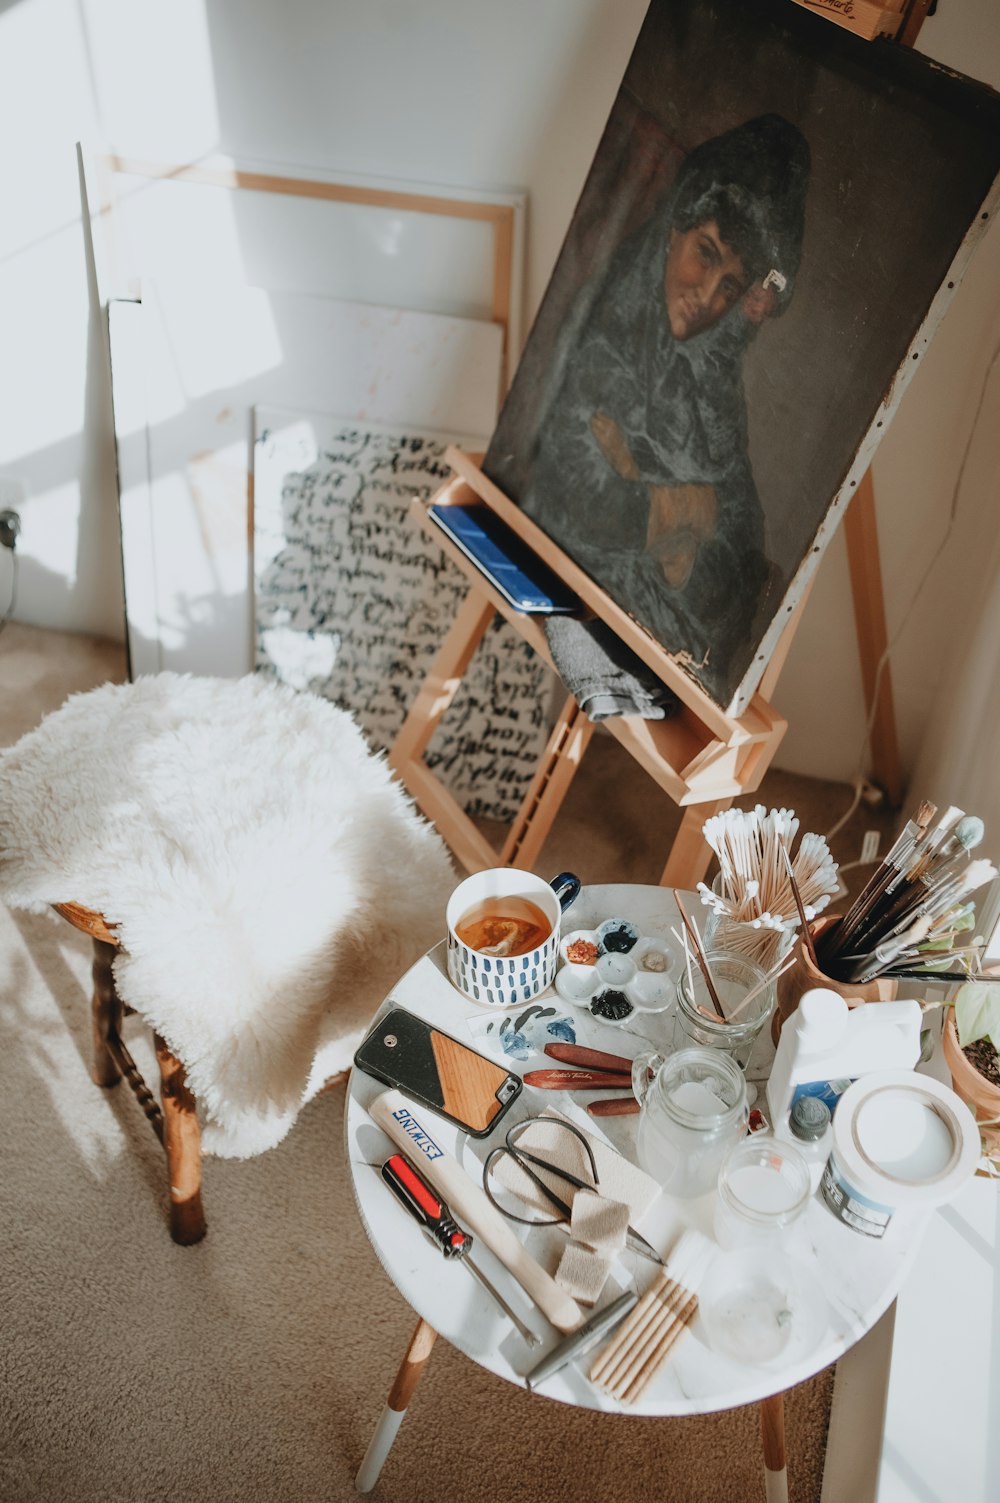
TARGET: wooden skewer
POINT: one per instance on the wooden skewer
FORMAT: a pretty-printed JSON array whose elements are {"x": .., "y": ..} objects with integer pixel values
[
  {"x": 700, "y": 954},
  {"x": 771, "y": 976},
  {"x": 807, "y": 937}
]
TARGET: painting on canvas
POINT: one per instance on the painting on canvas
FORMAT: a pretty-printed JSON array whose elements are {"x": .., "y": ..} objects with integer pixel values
[{"x": 774, "y": 220}]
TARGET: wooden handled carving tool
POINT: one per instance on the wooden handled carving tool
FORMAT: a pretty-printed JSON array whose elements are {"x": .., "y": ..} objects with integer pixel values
[
  {"x": 617, "y": 1106},
  {"x": 406, "y": 1125},
  {"x": 590, "y": 1059},
  {"x": 578, "y": 1080}
]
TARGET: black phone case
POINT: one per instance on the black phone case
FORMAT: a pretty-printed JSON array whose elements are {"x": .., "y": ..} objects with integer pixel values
[{"x": 438, "y": 1072}]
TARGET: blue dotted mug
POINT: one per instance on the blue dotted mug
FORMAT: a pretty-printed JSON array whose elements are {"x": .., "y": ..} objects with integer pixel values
[{"x": 505, "y": 980}]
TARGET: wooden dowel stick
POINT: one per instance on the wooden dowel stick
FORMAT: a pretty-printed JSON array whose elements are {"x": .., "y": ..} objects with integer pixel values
[
  {"x": 700, "y": 955},
  {"x": 662, "y": 1352},
  {"x": 625, "y": 1331},
  {"x": 638, "y": 1352}
]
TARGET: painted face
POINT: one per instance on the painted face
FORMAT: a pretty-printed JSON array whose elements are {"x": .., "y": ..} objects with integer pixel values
[{"x": 702, "y": 279}]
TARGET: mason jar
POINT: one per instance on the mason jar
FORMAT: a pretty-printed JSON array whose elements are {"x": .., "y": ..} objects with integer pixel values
[
  {"x": 696, "y": 1022},
  {"x": 692, "y": 1110}
]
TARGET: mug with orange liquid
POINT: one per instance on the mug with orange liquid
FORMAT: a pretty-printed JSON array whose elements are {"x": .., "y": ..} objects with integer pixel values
[{"x": 503, "y": 934}]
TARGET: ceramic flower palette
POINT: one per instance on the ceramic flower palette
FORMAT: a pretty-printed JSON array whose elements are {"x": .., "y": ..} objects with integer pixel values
[{"x": 614, "y": 971}]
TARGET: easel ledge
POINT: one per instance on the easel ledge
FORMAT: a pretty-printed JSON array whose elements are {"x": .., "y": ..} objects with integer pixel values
[{"x": 700, "y": 757}]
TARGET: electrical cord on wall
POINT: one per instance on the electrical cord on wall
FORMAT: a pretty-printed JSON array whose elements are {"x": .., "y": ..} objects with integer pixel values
[
  {"x": 859, "y": 781},
  {"x": 10, "y": 526},
  {"x": 12, "y": 603}
]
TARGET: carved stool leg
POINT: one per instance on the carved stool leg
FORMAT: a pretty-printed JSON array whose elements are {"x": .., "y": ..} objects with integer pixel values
[
  {"x": 106, "y": 1015},
  {"x": 182, "y": 1141}
]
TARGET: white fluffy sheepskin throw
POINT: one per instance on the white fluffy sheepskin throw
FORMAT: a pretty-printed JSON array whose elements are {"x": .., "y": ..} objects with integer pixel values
[{"x": 268, "y": 879}]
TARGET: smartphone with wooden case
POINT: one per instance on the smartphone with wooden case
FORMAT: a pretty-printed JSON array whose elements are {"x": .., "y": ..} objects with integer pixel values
[{"x": 437, "y": 1071}]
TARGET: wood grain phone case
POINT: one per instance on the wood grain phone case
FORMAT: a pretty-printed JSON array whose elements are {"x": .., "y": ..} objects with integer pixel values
[{"x": 437, "y": 1071}]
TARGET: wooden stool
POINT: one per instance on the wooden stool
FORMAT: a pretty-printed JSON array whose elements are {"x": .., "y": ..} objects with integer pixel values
[{"x": 174, "y": 1118}]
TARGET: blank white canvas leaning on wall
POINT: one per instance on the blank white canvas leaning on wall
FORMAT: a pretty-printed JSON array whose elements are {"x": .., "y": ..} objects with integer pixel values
[{"x": 188, "y": 365}]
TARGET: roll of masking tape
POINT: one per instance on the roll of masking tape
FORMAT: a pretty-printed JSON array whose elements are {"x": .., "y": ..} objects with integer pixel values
[{"x": 900, "y": 1141}]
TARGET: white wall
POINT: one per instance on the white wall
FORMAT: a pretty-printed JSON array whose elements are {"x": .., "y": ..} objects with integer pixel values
[{"x": 466, "y": 93}]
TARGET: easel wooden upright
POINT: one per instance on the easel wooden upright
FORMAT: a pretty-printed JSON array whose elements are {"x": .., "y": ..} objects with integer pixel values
[{"x": 702, "y": 758}]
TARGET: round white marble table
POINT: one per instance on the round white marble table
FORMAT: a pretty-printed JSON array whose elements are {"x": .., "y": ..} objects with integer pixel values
[{"x": 852, "y": 1278}]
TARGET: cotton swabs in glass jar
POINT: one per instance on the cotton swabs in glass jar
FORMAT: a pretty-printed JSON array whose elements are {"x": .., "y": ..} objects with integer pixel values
[{"x": 753, "y": 904}]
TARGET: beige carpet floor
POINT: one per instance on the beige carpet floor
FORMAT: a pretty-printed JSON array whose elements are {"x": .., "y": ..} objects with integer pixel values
[{"x": 254, "y": 1365}]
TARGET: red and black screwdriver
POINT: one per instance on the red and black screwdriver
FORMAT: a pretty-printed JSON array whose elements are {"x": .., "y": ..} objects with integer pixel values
[{"x": 424, "y": 1205}]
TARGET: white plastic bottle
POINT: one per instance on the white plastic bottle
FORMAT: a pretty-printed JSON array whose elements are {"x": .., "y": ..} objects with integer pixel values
[{"x": 825, "y": 1045}]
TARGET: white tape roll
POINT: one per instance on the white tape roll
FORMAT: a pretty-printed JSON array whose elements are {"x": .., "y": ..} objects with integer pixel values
[{"x": 900, "y": 1140}]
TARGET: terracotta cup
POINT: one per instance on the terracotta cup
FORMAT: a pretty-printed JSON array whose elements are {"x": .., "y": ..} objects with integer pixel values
[
  {"x": 803, "y": 975},
  {"x": 978, "y": 1093}
]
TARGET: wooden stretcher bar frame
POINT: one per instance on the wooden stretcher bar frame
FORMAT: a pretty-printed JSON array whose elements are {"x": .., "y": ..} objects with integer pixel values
[{"x": 502, "y": 213}]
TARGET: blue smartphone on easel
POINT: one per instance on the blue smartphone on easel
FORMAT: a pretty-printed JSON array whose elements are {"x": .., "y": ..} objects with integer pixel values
[{"x": 508, "y": 563}]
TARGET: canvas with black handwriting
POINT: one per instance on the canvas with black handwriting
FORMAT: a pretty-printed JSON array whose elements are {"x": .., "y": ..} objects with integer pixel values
[
  {"x": 775, "y": 219},
  {"x": 352, "y": 602}
]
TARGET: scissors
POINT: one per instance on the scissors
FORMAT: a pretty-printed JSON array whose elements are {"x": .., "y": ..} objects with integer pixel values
[{"x": 524, "y": 1159}]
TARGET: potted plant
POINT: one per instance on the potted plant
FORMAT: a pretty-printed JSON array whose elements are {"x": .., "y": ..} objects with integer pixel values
[{"x": 971, "y": 1043}]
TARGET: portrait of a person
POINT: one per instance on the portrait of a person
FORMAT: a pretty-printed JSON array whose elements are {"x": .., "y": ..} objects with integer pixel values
[{"x": 640, "y": 465}]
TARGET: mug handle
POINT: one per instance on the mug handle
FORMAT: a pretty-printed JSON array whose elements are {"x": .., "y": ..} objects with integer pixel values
[
  {"x": 566, "y": 888},
  {"x": 644, "y": 1068}
]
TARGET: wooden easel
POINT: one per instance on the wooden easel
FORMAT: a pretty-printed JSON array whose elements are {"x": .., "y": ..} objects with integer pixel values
[{"x": 702, "y": 758}]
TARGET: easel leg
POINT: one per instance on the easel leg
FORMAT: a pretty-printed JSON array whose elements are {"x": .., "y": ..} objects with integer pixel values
[
  {"x": 417, "y": 1354},
  {"x": 772, "y": 1424},
  {"x": 569, "y": 740},
  {"x": 690, "y": 853},
  {"x": 861, "y": 536}
]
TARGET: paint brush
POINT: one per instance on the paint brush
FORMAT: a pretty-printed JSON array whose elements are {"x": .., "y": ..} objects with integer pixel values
[{"x": 840, "y": 939}]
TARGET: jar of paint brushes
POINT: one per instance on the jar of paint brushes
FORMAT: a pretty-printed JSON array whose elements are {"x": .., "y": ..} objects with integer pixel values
[{"x": 804, "y": 975}]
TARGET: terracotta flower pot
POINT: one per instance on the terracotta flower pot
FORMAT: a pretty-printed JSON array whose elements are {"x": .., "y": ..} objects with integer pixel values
[
  {"x": 978, "y": 1093},
  {"x": 803, "y": 975}
]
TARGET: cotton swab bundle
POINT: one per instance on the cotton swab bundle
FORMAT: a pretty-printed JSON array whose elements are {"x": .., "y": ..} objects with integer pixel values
[
  {"x": 754, "y": 890},
  {"x": 645, "y": 1340}
]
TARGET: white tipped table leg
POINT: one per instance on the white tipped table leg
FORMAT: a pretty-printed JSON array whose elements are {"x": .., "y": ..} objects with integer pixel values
[
  {"x": 419, "y": 1350},
  {"x": 772, "y": 1424}
]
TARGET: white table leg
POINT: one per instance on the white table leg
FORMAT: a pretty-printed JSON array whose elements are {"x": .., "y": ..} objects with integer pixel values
[
  {"x": 772, "y": 1424},
  {"x": 412, "y": 1365}
]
